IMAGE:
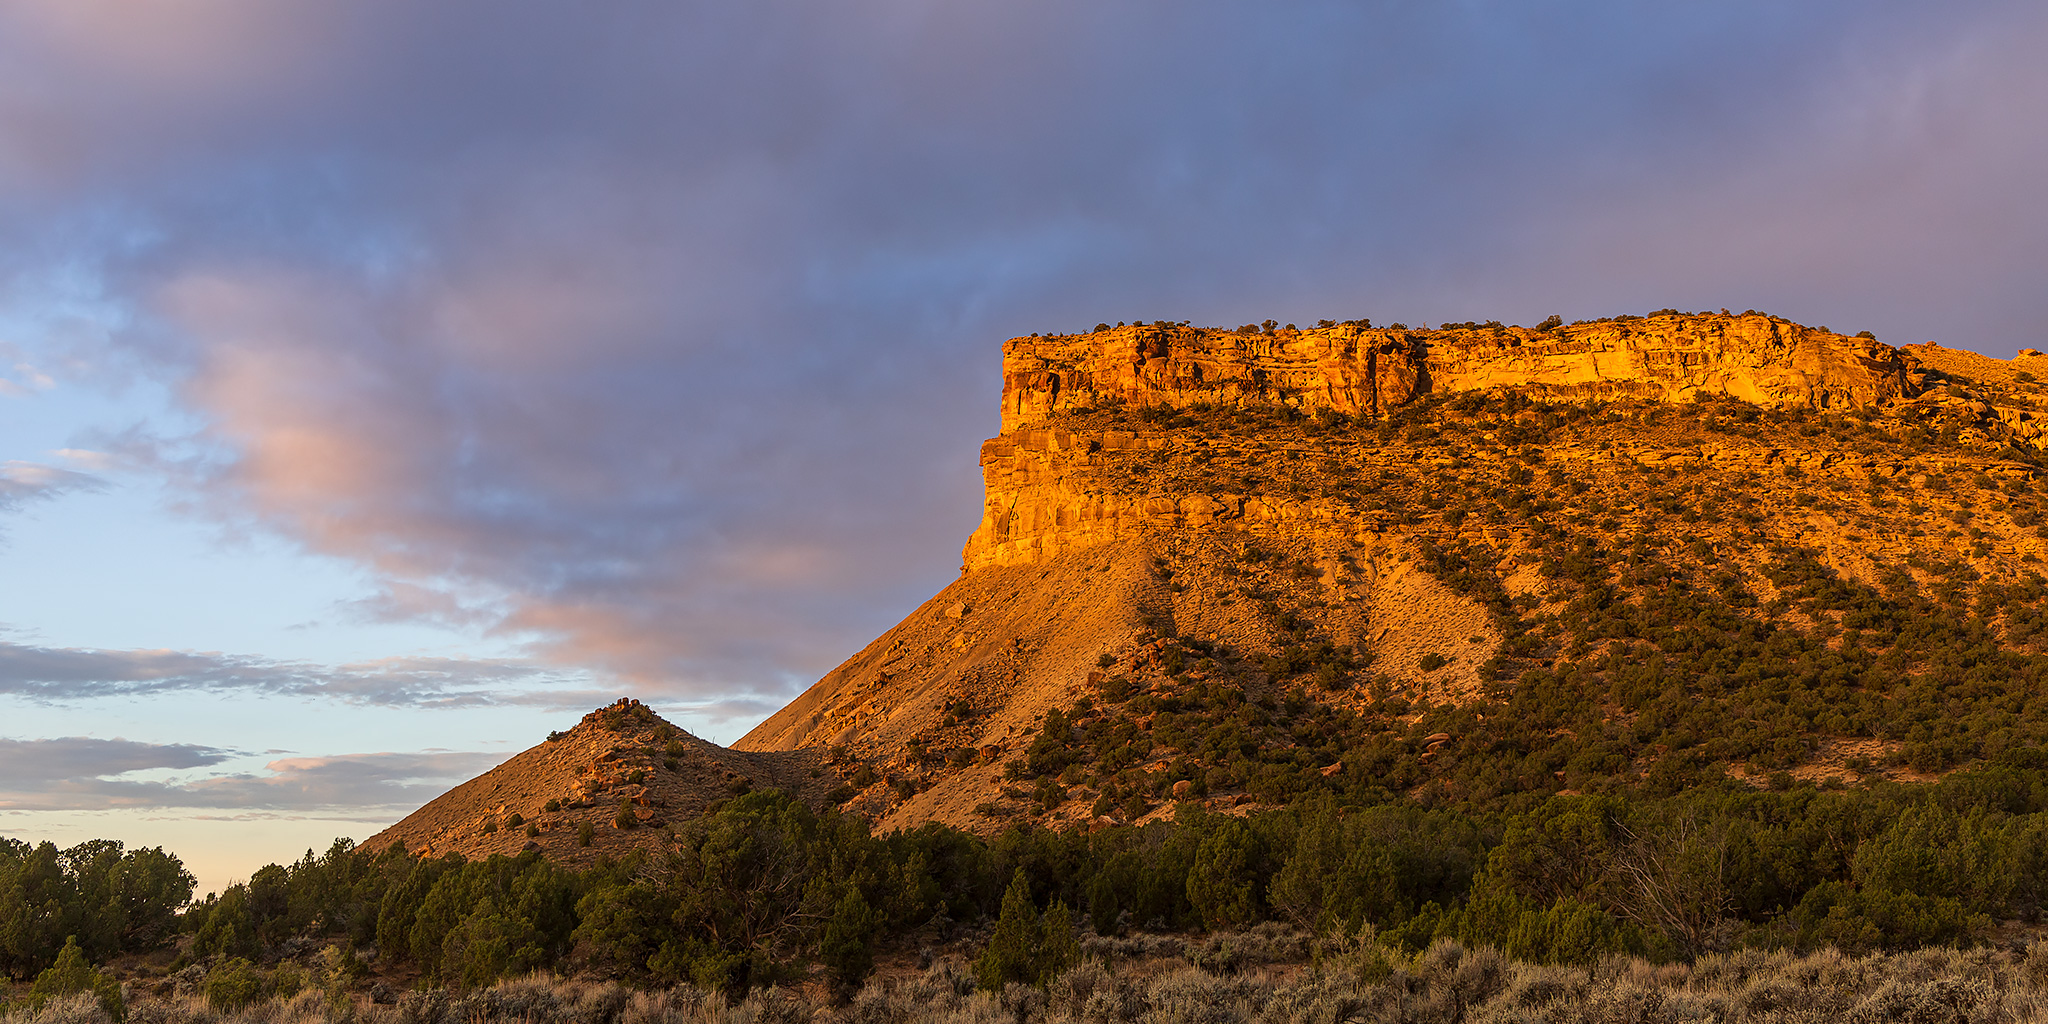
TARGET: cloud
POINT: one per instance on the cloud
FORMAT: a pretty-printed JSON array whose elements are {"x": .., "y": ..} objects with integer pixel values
[
  {"x": 74, "y": 674},
  {"x": 25, "y": 482},
  {"x": 90, "y": 459},
  {"x": 77, "y": 757},
  {"x": 721, "y": 712},
  {"x": 77, "y": 773},
  {"x": 662, "y": 338},
  {"x": 24, "y": 380}
]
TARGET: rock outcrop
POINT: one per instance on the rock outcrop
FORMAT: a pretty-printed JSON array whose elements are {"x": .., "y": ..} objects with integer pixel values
[
  {"x": 1364, "y": 371},
  {"x": 1207, "y": 556},
  {"x": 1159, "y": 490}
]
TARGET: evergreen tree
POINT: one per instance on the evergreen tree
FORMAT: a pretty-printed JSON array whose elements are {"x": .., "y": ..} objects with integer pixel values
[
  {"x": 847, "y": 946},
  {"x": 71, "y": 975},
  {"x": 1057, "y": 948},
  {"x": 1013, "y": 949}
]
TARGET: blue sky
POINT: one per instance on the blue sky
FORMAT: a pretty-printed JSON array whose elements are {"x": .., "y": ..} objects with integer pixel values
[{"x": 383, "y": 385}]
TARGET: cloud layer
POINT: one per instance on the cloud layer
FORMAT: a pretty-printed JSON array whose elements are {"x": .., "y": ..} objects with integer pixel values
[
  {"x": 74, "y": 773},
  {"x": 661, "y": 336},
  {"x": 74, "y": 674}
]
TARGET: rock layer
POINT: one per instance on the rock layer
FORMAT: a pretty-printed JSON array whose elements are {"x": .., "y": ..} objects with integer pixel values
[
  {"x": 1043, "y": 495},
  {"x": 1159, "y": 489},
  {"x": 1363, "y": 371}
]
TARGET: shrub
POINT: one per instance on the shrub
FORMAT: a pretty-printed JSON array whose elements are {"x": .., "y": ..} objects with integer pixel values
[
  {"x": 231, "y": 985},
  {"x": 1026, "y": 947},
  {"x": 70, "y": 975},
  {"x": 846, "y": 947}
]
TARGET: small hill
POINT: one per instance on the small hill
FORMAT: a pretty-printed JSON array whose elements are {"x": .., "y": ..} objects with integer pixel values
[
  {"x": 1242, "y": 567},
  {"x": 622, "y": 770}
]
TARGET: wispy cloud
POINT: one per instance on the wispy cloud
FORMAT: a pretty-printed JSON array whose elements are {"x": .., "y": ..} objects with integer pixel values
[
  {"x": 24, "y": 482},
  {"x": 78, "y": 773},
  {"x": 18, "y": 377},
  {"x": 33, "y": 761},
  {"x": 73, "y": 674}
]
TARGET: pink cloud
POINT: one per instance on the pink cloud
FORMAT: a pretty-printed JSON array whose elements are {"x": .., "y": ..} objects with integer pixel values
[{"x": 663, "y": 340}]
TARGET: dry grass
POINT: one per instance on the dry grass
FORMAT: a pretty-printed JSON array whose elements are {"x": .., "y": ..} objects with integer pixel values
[{"x": 1143, "y": 983}]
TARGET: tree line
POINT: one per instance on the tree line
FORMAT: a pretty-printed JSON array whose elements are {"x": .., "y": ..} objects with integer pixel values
[{"x": 764, "y": 885}]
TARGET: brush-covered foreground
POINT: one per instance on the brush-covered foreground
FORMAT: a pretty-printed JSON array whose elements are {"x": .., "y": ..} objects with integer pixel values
[{"x": 1229, "y": 979}]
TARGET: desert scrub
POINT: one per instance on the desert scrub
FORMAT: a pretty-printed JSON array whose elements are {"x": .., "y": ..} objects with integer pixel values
[{"x": 1447, "y": 982}]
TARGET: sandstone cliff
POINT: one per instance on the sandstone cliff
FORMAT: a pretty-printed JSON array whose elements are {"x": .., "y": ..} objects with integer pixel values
[
  {"x": 1358, "y": 370},
  {"x": 1041, "y": 497},
  {"x": 1169, "y": 506}
]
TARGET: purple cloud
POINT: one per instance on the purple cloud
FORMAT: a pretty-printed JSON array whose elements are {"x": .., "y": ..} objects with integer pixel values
[
  {"x": 59, "y": 674},
  {"x": 79, "y": 773},
  {"x": 24, "y": 482},
  {"x": 662, "y": 337}
]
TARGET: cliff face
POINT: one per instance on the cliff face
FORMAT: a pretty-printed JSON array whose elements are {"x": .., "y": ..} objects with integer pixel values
[
  {"x": 1361, "y": 371},
  {"x": 1173, "y": 518},
  {"x": 1046, "y": 492}
]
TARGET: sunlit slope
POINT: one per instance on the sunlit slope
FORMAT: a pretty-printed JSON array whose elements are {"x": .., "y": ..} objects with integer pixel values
[
  {"x": 1247, "y": 567},
  {"x": 613, "y": 783}
]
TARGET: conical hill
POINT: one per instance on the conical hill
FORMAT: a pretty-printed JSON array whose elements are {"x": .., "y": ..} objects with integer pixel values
[{"x": 623, "y": 772}]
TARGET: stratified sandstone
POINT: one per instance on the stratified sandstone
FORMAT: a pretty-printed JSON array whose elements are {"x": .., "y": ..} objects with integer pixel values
[
  {"x": 1159, "y": 489},
  {"x": 1360, "y": 371}
]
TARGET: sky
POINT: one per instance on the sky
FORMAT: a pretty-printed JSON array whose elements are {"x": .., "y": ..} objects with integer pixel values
[{"x": 385, "y": 384}]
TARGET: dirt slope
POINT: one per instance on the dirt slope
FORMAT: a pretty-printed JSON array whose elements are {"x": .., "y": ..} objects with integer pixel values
[
  {"x": 1344, "y": 502},
  {"x": 619, "y": 762}
]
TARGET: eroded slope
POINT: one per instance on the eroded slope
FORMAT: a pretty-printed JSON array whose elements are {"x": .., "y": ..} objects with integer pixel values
[
  {"x": 622, "y": 771},
  {"x": 1244, "y": 567}
]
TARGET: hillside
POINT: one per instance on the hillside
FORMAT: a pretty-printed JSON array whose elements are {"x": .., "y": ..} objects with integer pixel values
[
  {"x": 1654, "y": 637},
  {"x": 1244, "y": 566},
  {"x": 622, "y": 771}
]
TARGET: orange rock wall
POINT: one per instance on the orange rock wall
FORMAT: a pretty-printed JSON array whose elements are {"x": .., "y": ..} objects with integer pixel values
[
  {"x": 1370, "y": 371},
  {"x": 1045, "y": 496},
  {"x": 1045, "y": 489}
]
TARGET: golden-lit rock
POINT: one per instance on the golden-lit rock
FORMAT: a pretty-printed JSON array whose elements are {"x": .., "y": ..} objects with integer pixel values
[
  {"x": 1361, "y": 371},
  {"x": 1363, "y": 516}
]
